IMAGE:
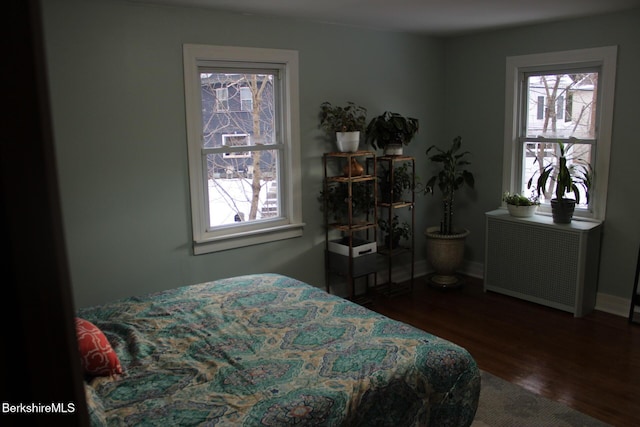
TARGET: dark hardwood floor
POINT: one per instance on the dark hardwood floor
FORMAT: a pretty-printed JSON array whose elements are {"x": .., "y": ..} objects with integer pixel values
[{"x": 591, "y": 363}]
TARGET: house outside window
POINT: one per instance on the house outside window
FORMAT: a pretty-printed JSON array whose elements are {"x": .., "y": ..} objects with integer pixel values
[
  {"x": 561, "y": 97},
  {"x": 243, "y": 160}
]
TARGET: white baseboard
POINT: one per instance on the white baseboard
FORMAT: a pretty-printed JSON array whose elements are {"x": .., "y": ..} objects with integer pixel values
[
  {"x": 403, "y": 273},
  {"x": 604, "y": 302},
  {"x": 608, "y": 303},
  {"x": 422, "y": 268},
  {"x": 473, "y": 269},
  {"x": 613, "y": 304}
]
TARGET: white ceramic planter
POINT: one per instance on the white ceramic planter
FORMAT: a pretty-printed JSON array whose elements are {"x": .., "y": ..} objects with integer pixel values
[
  {"x": 522, "y": 211},
  {"x": 393, "y": 150},
  {"x": 348, "y": 141}
]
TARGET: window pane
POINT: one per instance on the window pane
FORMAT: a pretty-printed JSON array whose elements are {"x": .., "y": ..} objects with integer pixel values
[
  {"x": 222, "y": 99},
  {"x": 242, "y": 174},
  {"x": 538, "y": 155},
  {"x": 242, "y": 187},
  {"x": 561, "y": 105},
  {"x": 246, "y": 99},
  {"x": 228, "y": 107}
]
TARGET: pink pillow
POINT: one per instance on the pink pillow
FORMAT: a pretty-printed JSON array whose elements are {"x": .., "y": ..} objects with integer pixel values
[{"x": 96, "y": 355}]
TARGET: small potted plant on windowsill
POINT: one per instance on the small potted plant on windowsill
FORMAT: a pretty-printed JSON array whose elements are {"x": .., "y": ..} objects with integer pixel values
[
  {"x": 567, "y": 178},
  {"x": 519, "y": 205},
  {"x": 390, "y": 131},
  {"x": 345, "y": 123}
]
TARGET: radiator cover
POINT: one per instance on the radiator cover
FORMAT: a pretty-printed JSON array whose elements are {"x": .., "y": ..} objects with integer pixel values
[{"x": 539, "y": 261}]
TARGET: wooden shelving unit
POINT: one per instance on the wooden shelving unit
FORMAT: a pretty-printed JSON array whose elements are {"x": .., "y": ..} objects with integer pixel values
[
  {"x": 353, "y": 258},
  {"x": 389, "y": 205}
]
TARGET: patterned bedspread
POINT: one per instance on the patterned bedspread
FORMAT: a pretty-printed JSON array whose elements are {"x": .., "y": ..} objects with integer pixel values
[{"x": 268, "y": 350}]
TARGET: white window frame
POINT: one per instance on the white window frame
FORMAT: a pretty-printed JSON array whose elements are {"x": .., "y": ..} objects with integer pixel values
[
  {"x": 289, "y": 224},
  {"x": 603, "y": 57}
]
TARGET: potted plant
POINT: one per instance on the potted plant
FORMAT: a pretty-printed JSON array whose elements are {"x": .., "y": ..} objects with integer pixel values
[
  {"x": 519, "y": 205},
  {"x": 394, "y": 231},
  {"x": 390, "y": 131},
  {"x": 567, "y": 177},
  {"x": 391, "y": 191},
  {"x": 445, "y": 244},
  {"x": 345, "y": 122},
  {"x": 336, "y": 201}
]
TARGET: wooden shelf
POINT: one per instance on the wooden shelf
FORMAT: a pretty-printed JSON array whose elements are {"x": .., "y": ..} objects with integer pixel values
[
  {"x": 388, "y": 210},
  {"x": 352, "y": 227},
  {"x": 395, "y": 205},
  {"x": 346, "y": 179},
  {"x": 361, "y": 153},
  {"x": 383, "y": 250},
  {"x": 350, "y": 266}
]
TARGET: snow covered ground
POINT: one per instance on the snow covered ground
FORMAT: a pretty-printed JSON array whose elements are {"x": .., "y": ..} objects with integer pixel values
[{"x": 230, "y": 199}]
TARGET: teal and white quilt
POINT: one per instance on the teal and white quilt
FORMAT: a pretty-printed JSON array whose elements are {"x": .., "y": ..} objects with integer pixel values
[{"x": 269, "y": 350}]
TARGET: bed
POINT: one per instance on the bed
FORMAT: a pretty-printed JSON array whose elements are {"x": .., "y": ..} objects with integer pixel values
[{"x": 269, "y": 350}]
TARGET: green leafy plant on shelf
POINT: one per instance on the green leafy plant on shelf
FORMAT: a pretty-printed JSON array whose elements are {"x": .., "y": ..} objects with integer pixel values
[
  {"x": 403, "y": 180},
  {"x": 336, "y": 201},
  {"x": 350, "y": 118},
  {"x": 394, "y": 231},
  {"x": 391, "y": 129}
]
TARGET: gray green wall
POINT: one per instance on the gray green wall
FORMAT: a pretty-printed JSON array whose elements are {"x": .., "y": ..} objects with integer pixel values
[
  {"x": 116, "y": 84},
  {"x": 475, "y": 90}
]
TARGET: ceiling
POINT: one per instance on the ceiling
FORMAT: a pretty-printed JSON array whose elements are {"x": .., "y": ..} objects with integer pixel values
[{"x": 436, "y": 17}]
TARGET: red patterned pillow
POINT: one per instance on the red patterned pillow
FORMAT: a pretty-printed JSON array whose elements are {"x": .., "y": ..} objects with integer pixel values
[{"x": 96, "y": 355}]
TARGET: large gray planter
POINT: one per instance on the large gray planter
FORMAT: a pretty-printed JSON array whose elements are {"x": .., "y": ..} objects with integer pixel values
[{"x": 445, "y": 253}]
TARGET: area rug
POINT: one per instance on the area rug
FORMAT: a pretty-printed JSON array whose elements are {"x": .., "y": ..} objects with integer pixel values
[{"x": 503, "y": 404}]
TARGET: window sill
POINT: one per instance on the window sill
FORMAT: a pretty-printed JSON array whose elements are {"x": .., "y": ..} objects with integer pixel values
[
  {"x": 545, "y": 220},
  {"x": 239, "y": 240}
]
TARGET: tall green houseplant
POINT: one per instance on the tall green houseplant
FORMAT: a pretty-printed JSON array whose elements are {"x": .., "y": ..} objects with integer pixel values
[{"x": 452, "y": 176}]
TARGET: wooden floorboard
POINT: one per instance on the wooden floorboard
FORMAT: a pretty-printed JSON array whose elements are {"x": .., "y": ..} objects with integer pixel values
[{"x": 590, "y": 363}]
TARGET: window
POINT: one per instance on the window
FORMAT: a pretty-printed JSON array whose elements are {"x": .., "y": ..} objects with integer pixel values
[
  {"x": 222, "y": 99},
  {"x": 246, "y": 99},
  {"x": 244, "y": 157},
  {"x": 235, "y": 140},
  {"x": 560, "y": 106},
  {"x": 540, "y": 108},
  {"x": 561, "y": 97},
  {"x": 569, "y": 107}
]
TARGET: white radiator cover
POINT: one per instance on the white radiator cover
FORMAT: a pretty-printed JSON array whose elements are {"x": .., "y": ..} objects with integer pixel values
[{"x": 539, "y": 261}]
